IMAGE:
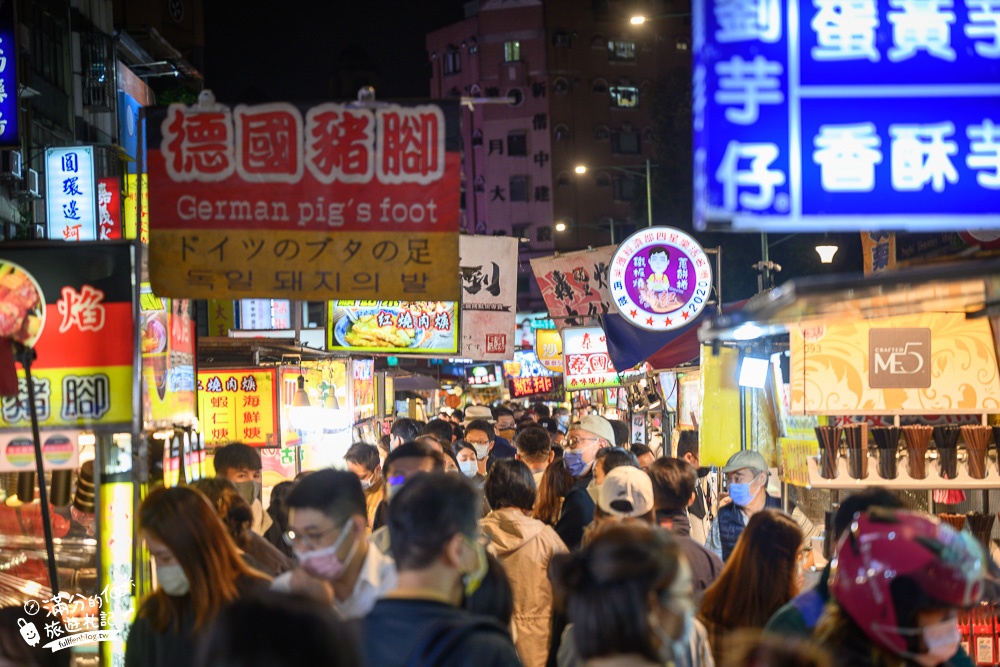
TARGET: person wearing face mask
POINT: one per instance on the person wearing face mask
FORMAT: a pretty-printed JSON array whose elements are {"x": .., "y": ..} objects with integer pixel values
[
  {"x": 525, "y": 546},
  {"x": 506, "y": 425},
  {"x": 328, "y": 524},
  {"x": 241, "y": 465},
  {"x": 628, "y": 595},
  {"x": 534, "y": 447},
  {"x": 586, "y": 438},
  {"x": 198, "y": 572},
  {"x": 746, "y": 477},
  {"x": 468, "y": 462},
  {"x": 441, "y": 558},
  {"x": 403, "y": 463},
  {"x": 362, "y": 459},
  {"x": 489, "y": 448},
  {"x": 900, "y": 581}
]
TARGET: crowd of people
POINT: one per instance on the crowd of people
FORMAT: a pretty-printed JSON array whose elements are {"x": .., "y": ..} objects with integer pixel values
[{"x": 489, "y": 538}]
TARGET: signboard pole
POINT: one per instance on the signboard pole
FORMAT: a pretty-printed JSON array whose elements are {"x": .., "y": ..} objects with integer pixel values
[{"x": 26, "y": 355}]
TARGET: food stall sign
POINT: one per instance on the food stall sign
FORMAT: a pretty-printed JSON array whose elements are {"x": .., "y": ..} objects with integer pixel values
[
  {"x": 238, "y": 405},
  {"x": 525, "y": 365},
  {"x": 532, "y": 386},
  {"x": 586, "y": 362},
  {"x": 70, "y": 193},
  {"x": 825, "y": 116},
  {"x": 363, "y": 394},
  {"x": 305, "y": 202},
  {"x": 920, "y": 364},
  {"x": 483, "y": 375},
  {"x": 109, "y": 208},
  {"x": 82, "y": 330},
  {"x": 395, "y": 327},
  {"x": 548, "y": 346},
  {"x": 660, "y": 279},
  {"x": 168, "y": 339}
]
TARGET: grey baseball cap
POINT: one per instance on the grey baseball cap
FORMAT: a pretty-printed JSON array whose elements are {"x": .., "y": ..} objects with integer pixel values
[{"x": 744, "y": 459}]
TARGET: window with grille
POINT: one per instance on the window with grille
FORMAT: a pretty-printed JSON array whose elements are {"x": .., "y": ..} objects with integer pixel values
[
  {"x": 517, "y": 143},
  {"x": 620, "y": 51},
  {"x": 624, "y": 97}
]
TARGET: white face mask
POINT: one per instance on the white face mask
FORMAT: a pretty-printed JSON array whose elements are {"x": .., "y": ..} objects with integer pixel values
[
  {"x": 468, "y": 468},
  {"x": 942, "y": 641},
  {"x": 366, "y": 484},
  {"x": 172, "y": 580},
  {"x": 482, "y": 451}
]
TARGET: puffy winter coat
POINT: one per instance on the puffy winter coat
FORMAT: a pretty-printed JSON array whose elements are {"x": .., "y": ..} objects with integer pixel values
[{"x": 525, "y": 546}]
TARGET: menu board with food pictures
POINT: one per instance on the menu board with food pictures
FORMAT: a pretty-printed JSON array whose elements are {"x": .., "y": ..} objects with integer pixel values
[{"x": 397, "y": 327}]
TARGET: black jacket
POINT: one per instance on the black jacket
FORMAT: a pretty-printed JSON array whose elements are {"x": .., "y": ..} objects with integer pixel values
[
  {"x": 395, "y": 629},
  {"x": 577, "y": 512},
  {"x": 705, "y": 565}
]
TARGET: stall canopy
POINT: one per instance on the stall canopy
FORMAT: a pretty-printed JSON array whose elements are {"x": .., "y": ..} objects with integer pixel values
[
  {"x": 629, "y": 345},
  {"x": 972, "y": 287}
]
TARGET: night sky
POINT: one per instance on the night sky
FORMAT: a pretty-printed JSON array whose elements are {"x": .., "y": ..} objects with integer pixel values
[{"x": 296, "y": 49}]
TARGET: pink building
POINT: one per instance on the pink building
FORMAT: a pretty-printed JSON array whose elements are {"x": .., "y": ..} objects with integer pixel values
[{"x": 555, "y": 84}]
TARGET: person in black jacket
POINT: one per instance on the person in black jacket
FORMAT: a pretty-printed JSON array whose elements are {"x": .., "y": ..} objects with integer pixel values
[
  {"x": 585, "y": 439},
  {"x": 674, "y": 482},
  {"x": 441, "y": 558}
]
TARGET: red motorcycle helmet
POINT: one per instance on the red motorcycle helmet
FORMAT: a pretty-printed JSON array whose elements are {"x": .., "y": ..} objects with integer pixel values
[{"x": 946, "y": 567}]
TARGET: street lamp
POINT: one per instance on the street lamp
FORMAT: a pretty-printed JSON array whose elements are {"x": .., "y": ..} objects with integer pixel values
[
  {"x": 561, "y": 227},
  {"x": 582, "y": 169},
  {"x": 826, "y": 253},
  {"x": 640, "y": 19}
]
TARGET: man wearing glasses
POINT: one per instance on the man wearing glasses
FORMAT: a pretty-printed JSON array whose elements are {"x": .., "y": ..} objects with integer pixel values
[
  {"x": 584, "y": 440},
  {"x": 327, "y": 521}
]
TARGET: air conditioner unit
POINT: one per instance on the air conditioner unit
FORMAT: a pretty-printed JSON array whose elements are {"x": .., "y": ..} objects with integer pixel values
[
  {"x": 30, "y": 189},
  {"x": 10, "y": 165}
]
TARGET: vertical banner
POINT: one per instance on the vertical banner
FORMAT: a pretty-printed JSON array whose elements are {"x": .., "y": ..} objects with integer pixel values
[
  {"x": 305, "y": 202},
  {"x": 9, "y": 128},
  {"x": 575, "y": 285},
  {"x": 70, "y": 193},
  {"x": 720, "y": 434},
  {"x": 109, "y": 208},
  {"x": 489, "y": 296},
  {"x": 879, "y": 249}
]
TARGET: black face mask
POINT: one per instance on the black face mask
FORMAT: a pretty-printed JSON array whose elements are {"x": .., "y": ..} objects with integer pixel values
[{"x": 703, "y": 472}]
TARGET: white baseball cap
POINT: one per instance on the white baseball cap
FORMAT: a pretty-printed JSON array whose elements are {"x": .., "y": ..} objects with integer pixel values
[
  {"x": 626, "y": 493},
  {"x": 478, "y": 413}
]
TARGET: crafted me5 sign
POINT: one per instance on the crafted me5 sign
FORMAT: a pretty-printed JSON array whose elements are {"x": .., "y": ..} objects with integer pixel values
[
  {"x": 312, "y": 202},
  {"x": 850, "y": 115}
]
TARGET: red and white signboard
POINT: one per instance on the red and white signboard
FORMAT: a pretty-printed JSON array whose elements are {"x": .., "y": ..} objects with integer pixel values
[
  {"x": 586, "y": 362},
  {"x": 575, "y": 285},
  {"x": 109, "y": 209},
  {"x": 304, "y": 202}
]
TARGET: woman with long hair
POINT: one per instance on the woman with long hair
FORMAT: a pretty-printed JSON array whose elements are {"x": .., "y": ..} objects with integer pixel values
[
  {"x": 763, "y": 573},
  {"x": 237, "y": 518},
  {"x": 556, "y": 482},
  {"x": 198, "y": 571}
]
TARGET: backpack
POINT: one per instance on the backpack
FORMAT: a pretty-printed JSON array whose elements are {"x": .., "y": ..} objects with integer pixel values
[{"x": 443, "y": 636}]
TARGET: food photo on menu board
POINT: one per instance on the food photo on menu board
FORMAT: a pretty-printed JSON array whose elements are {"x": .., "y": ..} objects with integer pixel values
[{"x": 402, "y": 327}]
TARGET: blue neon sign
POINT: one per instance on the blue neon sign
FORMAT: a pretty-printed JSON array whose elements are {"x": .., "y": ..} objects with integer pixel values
[
  {"x": 9, "y": 130},
  {"x": 847, "y": 114}
]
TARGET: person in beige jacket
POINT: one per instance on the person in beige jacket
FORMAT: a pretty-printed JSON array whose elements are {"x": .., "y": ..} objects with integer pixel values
[{"x": 525, "y": 546}]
